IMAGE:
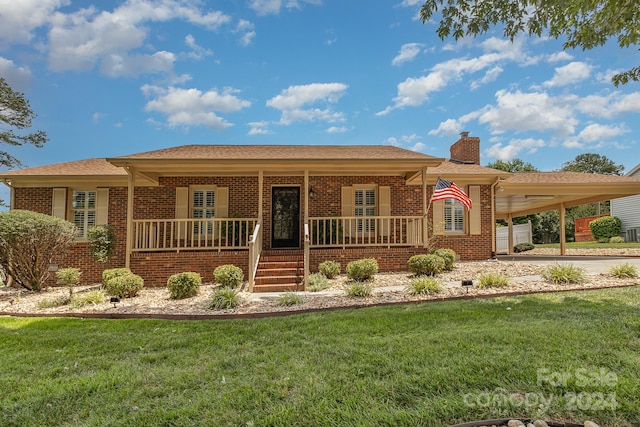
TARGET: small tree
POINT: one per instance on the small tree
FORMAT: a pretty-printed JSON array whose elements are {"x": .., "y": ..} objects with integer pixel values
[
  {"x": 102, "y": 242},
  {"x": 28, "y": 243}
]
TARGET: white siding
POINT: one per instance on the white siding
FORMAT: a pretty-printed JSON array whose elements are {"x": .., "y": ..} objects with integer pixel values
[{"x": 628, "y": 208}]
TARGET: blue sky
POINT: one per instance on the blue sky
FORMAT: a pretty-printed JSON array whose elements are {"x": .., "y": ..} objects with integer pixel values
[{"x": 120, "y": 77}]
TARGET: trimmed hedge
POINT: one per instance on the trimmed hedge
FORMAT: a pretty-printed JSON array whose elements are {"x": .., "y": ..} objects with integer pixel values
[
  {"x": 606, "y": 227},
  {"x": 184, "y": 285}
]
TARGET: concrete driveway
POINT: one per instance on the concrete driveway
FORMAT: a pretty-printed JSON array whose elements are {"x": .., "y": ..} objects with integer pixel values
[{"x": 592, "y": 264}]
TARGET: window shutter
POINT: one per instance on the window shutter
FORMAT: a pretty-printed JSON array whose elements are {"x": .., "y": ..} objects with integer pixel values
[
  {"x": 384, "y": 209},
  {"x": 59, "y": 203},
  {"x": 475, "y": 218},
  {"x": 222, "y": 202},
  {"x": 102, "y": 206},
  {"x": 347, "y": 210},
  {"x": 438, "y": 217},
  {"x": 182, "y": 210}
]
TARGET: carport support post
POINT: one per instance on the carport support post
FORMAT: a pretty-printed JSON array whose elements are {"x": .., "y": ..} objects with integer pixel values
[
  {"x": 510, "y": 242},
  {"x": 563, "y": 234}
]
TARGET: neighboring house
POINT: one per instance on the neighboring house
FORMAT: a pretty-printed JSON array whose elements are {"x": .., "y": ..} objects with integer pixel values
[
  {"x": 278, "y": 211},
  {"x": 628, "y": 210}
]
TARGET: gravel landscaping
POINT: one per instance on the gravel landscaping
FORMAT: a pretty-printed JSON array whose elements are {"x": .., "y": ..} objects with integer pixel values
[{"x": 387, "y": 288}]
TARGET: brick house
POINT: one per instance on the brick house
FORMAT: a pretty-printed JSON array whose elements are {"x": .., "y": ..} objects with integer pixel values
[{"x": 274, "y": 211}]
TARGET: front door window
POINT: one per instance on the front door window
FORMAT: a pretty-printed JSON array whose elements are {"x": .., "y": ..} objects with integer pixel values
[{"x": 285, "y": 217}]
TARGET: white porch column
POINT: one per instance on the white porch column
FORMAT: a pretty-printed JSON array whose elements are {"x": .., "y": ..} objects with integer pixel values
[
  {"x": 425, "y": 211},
  {"x": 130, "y": 187},
  {"x": 510, "y": 242},
  {"x": 563, "y": 236}
]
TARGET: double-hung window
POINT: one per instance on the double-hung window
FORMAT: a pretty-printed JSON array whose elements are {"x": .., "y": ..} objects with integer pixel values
[
  {"x": 202, "y": 207},
  {"x": 453, "y": 216},
  {"x": 365, "y": 206},
  {"x": 84, "y": 211}
]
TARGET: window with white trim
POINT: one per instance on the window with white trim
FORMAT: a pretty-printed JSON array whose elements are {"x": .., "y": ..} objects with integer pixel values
[
  {"x": 84, "y": 211},
  {"x": 203, "y": 206},
  {"x": 365, "y": 206},
  {"x": 453, "y": 216}
]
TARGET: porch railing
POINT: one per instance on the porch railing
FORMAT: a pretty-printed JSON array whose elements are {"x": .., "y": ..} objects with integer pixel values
[
  {"x": 255, "y": 248},
  {"x": 349, "y": 231},
  {"x": 192, "y": 234}
]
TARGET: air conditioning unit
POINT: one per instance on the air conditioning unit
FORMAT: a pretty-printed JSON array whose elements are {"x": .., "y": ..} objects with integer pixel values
[{"x": 633, "y": 234}]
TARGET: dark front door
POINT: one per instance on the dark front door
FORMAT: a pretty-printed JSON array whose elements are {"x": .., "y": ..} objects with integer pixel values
[{"x": 285, "y": 217}]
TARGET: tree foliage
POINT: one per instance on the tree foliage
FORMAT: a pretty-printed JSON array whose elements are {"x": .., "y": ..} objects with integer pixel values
[
  {"x": 585, "y": 23},
  {"x": 29, "y": 241},
  {"x": 16, "y": 115},
  {"x": 593, "y": 163},
  {"x": 515, "y": 165}
]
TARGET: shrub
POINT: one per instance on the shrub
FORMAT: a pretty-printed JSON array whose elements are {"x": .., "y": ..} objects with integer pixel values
[
  {"x": 224, "y": 298},
  {"x": 102, "y": 242},
  {"x": 605, "y": 227},
  {"x": 564, "y": 273},
  {"x": 362, "y": 269},
  {"x": 317, "y": 282},
  {"x": 492, "y": 280},
  {"x": 288, "y": 299},
  {"x": 623, "y": 270},
  {"x": 424, "y": 286},
  {"x": 523, "y": 247},
  {"x": 329, "y": 268},
  {"x": 358, "y": 289},
  {"x": 124, "y": 286},
  {"x": 30, "y": 241},
  {"x": 616, "y": 239},
  {"x": 86, "y": 298},
  {"x": 430, "y": 264},
  {"x": 53, "y": 302},
  {"x": 68, "y": 277},
  {"x": 228, "y": 275},
  {"x": 184, "y": 285},
  {"x": 114, "y": 272},
  {"x": 448, "y": 255}
]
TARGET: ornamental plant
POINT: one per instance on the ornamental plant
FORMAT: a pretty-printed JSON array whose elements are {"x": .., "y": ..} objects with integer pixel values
[
  {"x": 329, "y": 268},
  {"x": 317, "y": 282},
  {"x": 68, "y": 277},
  {"x": 426, "y": 264},
  {"x": 362, "y": 269},
  {"x": 102, "y": 242},
  {"x": 606, "y": 227},
  {"x": 29, "y": 241},
  {"x": 184, "y": 285},
  {"x": 124, "y": 286},
  {"x": 228, "y": 275},
  {"x": 448, "y": 255}
]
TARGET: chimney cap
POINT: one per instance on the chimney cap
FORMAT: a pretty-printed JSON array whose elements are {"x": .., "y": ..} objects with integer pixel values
[{"x": 464, "y": 134}]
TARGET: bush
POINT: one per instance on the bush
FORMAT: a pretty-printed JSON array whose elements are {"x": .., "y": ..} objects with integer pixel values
[
  {"x": 53, "y": 302},
  {"x": 86, "y": 298},
  {"x": 288, "y": 299},
  {"x": 523, "y": 247},
  {"x": 424, "y": 286},
  {"x": 564, "y": 273},
  {"x": 362, "y": 269},
  {"x": 102, "y": 242},
  {"x": 113, "y": 273},
  {"x": 224, "y": 298},
  {"x": 448, "y": 255},
  {"x": 317, "y": 282},
  {"x": 124, "y": 286},
  {"x": 492, "y": 280},
  {"x": 623, "y": 270},
  {"x": 228, "y": 276},
  {"x": 429, "y": 265},
  {"x": 605, "y": 227},
  {"x": 329, "y": 268},
  {"x": 358, "y": 289},
  {"x": 68, "y": 277},
  {"x": 30, "y": 241},
  {"x": 184, "y": 285},
  {"x": 616, "y": 239}
]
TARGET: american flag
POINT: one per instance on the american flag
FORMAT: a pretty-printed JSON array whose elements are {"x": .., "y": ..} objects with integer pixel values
[{"x": 448, "y": 190}]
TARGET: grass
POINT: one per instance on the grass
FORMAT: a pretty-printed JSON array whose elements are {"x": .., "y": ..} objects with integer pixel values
[
  {"x": 428, "y": 364},
  {"x": 492, "y": 280},
  {"x": 591, "y": 245}
]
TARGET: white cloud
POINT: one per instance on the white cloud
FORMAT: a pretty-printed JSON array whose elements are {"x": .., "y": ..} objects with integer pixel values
[
  {"x": 410, "y": 2},
  {"x": 447, "y": 128},
  {"x": 408, "y": 52},
  {"x": 18, "y": 19},
  {"x": 246, "y": 30},
  {"x": 197, "y": 51},
  {"x": 597, "y": 132},
  {"x": 337, "y": 129},
  {"x": 192, "y": 107},
  {"x": 490, "y": 76},
  {"x": 536, "y": 111},
  {"x": 513, "y": 148},
  {"x": 273, "y": 7},
  {"x": 292, "y": 100},
  {"x": 610, "y": 105},
  {"x": 559, "y": 57},
  {"x": 87, "y": 37},
  {"x": 573, "y": 72},
  {"x": 17, "y": 77},
  {"x": 259, "y": 128}
]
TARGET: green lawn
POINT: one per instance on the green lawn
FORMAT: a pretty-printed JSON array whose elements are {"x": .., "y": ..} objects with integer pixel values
[
  {"x": 589, "y": 245},
  {"x": 429, "y": 365}
]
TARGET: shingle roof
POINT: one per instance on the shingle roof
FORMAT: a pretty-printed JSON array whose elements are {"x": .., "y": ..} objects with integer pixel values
[
  {"x": 281, "y": 152},
  {"x": 449, "y": 167},
  {"x": 88, "y": 167},
  {"x": 566, "y": 178}
]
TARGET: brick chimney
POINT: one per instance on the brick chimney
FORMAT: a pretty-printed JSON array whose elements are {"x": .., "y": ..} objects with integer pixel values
[{"x": 466, "y": 149}]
